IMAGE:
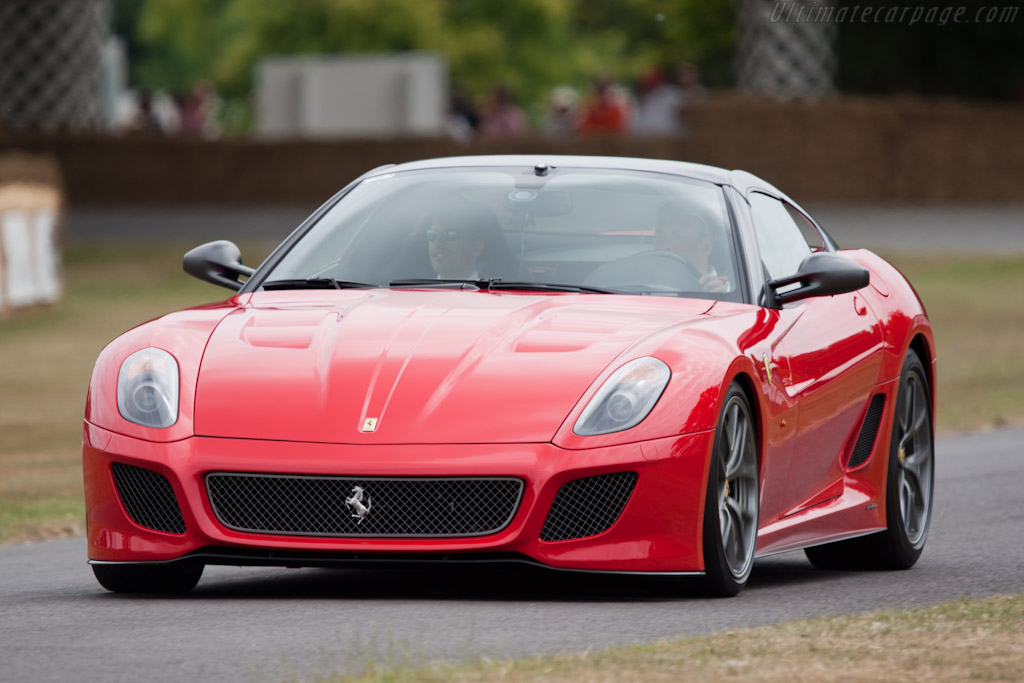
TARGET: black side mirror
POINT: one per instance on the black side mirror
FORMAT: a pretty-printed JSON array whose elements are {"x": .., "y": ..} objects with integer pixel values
[
  {"x": 219, "y": 263},
  {"x": 820, "y": 275}
]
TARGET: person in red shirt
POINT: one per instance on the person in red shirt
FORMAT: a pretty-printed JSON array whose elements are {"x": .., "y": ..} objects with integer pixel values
[{"x": 606, "y": 113}]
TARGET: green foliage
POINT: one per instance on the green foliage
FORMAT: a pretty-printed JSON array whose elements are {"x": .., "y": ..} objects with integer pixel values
[
  {"x": 665, "y": 32},
  {"x": 529, "y": 46}
]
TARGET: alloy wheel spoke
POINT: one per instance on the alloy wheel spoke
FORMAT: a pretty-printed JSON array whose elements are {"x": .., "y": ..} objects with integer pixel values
[
  {"x": 907, "y": 409},
  {"x": 736, "y": 550},
  {"x": 732, "y": 422},
  {"x": 736, "y": 455},
  {"x": 915, "y": 461},
  {"x": 733, "y": 545},
  {"x": 734, "y": 541},
  {"x": 917, "y": 428},
  {"x": 905, "y": 494},
  {"x": 913, "y": 484},
  {"x": 726, "y": 523}
]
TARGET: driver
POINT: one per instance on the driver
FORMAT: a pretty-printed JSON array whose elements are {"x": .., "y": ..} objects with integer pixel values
[
  {"x": 685, "y": 232},
  {"x": 454, "y": 244}
]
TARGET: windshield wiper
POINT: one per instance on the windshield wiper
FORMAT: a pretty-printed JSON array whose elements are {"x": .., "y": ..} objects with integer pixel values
[
  {"x": 434, "y": 282},
  {"x": 316, "y": 283},
  {"x": 497, "y": 283}
]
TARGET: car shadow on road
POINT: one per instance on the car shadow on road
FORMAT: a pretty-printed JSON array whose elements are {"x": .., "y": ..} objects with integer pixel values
[{"x": 512, "y": 583}]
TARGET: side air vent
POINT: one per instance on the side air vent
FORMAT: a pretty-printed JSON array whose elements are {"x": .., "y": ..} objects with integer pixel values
[
  {"x": 148, "y": 498},
  {"x": 588, "y": 506},
  {"x": 868, "y": 432}
]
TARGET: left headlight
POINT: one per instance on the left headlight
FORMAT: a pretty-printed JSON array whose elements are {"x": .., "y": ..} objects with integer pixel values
[
  {"x": 625, "y": 398},
  {"x": 147, "y": 388}
]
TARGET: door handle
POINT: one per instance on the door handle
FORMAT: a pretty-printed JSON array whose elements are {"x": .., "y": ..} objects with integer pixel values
[{"x": 859, "y": 306}]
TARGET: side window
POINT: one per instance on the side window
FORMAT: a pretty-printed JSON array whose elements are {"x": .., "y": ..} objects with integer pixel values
[
  {"x": 780, "y": 238},
  {"x": 807, "y": 229}
]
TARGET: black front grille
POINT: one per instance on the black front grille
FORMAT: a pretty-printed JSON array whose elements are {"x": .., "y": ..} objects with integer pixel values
[
  {"x": 868, "y": 431},
  {"x": 148, "y": 498},
  {"x": 304, "y": 505},
  {"x": 587, "y": 507}
]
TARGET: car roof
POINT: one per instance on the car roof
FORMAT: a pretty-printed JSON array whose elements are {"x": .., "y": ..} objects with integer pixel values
[{"x": 712, "y": 174}]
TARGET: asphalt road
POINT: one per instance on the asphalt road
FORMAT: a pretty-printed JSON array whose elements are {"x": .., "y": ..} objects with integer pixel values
[
  {"x": 971, "y": 229},
  {"x": 57, "y": 624}
]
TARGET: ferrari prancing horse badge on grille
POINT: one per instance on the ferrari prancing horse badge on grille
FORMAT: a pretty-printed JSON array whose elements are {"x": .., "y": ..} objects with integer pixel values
[
  {"x": 355, "y": 502},
  {"x": 369, "y": 425}
]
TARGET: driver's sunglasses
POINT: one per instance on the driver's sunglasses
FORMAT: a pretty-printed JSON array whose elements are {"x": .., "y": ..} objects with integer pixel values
[{"x": 448, "y": 235}]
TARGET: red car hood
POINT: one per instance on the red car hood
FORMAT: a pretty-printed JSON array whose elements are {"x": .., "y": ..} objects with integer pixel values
[{"x": 424, "y": 366}]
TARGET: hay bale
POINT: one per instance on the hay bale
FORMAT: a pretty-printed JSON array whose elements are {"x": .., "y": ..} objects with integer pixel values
[{"x": 31, "y": 203}]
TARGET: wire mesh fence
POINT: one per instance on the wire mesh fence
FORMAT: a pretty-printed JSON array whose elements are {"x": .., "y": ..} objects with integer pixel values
[
  {"x": 51, "y": 64},
  {"x": 786, "y": 48}
]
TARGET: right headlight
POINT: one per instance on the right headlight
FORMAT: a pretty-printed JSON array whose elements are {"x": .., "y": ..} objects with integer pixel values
[
  {"x": 625, "y": 398},
  {"x": 147, "y": 388}
]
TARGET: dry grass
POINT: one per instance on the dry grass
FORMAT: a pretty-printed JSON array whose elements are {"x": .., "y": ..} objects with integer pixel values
[
  {"x": 48, "y": 356},
  {"x": 966, "y": 640},
  {"x": 976, "y": 308}
]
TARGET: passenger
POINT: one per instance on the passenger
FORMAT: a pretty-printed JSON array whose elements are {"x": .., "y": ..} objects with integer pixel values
[{"x": 685, "y": 232}]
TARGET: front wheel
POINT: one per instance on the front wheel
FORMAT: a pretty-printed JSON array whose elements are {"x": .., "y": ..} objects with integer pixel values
[
  {"x": 733, "y": 499},
  {"x": 179, "y": 577}
]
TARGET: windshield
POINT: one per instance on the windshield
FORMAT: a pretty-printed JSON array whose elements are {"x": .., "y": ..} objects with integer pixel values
[{"x": 606, "y": 230}]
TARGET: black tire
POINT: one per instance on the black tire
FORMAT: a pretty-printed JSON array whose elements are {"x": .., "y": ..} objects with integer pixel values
[
  {"x": 179, "y": 577},
  {"x": 732, "y": 506},
  {"x": 910, "y": 484}
]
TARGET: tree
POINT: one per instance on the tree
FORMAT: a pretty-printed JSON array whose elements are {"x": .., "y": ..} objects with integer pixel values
[{"x": 529, "y": 46}]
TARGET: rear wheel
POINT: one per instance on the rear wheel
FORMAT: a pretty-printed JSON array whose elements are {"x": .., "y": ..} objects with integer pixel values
[
  {"x": 732, "y": 505},
  {"x": 909, "y": 486},
  {"x": 179, "y": 577}
]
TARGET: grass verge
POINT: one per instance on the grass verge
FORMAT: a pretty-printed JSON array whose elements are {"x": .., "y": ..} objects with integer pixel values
[
  {"x": 48, "y": 357},
  {"x": 964, "y": 640},
  {"x": 977, "y": 314}
]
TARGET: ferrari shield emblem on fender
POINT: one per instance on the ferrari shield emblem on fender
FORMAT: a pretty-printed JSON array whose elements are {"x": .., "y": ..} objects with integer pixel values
[
  {"x": 767, "y": 367},
  {"x": 369, "y": 425},
  {"x": 355, "y": 501}
]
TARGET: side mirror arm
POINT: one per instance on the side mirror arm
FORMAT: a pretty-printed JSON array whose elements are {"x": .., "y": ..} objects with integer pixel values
[
  {"x": 219, "y": 263},
  {"x": 819, "y": 275}
]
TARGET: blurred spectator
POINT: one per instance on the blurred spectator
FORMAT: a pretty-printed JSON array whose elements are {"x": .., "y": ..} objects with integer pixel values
[
  {"x": 198, "y": 109},
  {"x": 142, "y": 118},
  {"x": 688, "y": 76},
  {"x": 561, "y": 120},
  {"x": 606, "y": 111},
  {"x": 166, "y": 112},
  {"x": 502, "y": 118},
  {"x": 149, "y": 113},
  {"x": 690, "y": 87},
  {"x": 658, "y": 104},
  {"x": 463, "y": 119}
]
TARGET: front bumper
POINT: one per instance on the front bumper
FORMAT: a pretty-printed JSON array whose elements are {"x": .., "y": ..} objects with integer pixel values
[{"x": 658, "y": 530}]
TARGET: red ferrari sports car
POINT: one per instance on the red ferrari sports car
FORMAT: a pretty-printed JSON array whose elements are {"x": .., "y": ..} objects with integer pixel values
[{"x": 584, "y": 363}]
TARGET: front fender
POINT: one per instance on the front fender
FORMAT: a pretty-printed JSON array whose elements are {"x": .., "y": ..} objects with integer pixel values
[
  {"x": 699, "y": 360},
  {"x": 184, "y": 335}
]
